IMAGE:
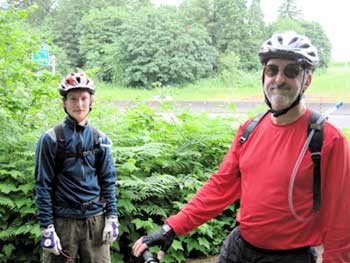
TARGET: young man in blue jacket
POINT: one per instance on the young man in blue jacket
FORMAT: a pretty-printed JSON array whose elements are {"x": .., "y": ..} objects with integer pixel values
[{"x": 75, "y": 182}]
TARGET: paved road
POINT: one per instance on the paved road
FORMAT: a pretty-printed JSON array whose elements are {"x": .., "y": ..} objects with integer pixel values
[
  {"x": 341, "y": 121},
  {"x": 340, "y": 118}
]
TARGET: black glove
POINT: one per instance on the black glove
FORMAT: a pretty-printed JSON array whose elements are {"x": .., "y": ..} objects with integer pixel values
[{"x": 164, "y": 238}]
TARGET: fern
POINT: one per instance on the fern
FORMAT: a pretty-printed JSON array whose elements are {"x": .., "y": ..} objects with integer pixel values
[
  {"x": 6, "y": 234},
  {"x": 160, "y": 165},
  {"x": 7, "y": 202},
  {"x": 7, "y": 249},
  {"x": 26, "y": 188},
  {"x": 6, "y": 188}
]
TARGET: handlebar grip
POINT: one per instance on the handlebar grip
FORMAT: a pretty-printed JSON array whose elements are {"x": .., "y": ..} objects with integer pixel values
[{"x": 148, "y": 257}]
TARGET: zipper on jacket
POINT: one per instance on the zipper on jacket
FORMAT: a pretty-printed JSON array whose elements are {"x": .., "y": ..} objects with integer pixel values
[{"x": 82, "y": 158}]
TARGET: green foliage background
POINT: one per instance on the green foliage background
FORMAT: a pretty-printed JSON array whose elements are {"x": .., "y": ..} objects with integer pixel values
[
  {"x": 161, "y": 161},
  {"x": 25, "y": 90},
  {"x": 138, "y": 44}
]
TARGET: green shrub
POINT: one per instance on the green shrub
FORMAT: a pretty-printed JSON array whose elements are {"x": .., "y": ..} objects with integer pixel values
[
  {"x": 25, "y": 89},
  {"x": 161, "y": 160},
  {"x": 346, "y": 132},
  {"x": 158, "y": 46}
]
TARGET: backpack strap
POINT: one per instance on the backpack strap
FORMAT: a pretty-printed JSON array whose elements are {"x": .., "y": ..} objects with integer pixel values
[
  {"x": 60, "y": 153},
  {"x": 251, "y": 126},
  {"x": 249, "y": 129},
  {"x": 97, "y": 149},
  {"x": 315, "y": 148}
]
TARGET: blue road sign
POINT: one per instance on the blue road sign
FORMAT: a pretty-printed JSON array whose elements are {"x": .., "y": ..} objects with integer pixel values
[{"x": 42, "y": 56}]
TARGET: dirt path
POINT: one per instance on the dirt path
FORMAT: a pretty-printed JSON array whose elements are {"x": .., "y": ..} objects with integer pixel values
[{"x": 206, "y": 260}]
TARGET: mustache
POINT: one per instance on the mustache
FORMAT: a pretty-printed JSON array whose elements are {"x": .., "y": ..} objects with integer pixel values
[{"x": 280, "y": 86}]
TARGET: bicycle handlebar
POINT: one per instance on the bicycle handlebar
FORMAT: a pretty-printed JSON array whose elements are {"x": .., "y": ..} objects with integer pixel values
[{"x": 148, "y": 257}]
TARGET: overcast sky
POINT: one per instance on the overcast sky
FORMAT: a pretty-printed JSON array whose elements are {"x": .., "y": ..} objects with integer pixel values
[{"x": 334, "y": 16}]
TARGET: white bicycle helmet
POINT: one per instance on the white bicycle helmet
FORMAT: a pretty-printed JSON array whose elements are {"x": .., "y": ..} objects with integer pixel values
[
  {"x": 289, "y": 45},
  {"x": 76, "y": 81}
]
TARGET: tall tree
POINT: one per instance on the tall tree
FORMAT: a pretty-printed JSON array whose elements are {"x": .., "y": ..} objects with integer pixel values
[
  {"x": 66, "y": 26},
  {"x": 255, "y": 35},
  {"x": 100, "y": 30},
  {"x": 284, "y": 24},
  {"x": 201, "y": 12},
  {"x": 159, "y": 46},
  {"x": 41, "y": 10},
  {"x": 224, "y": 20},
  {"x": 230, "y": 21},
  {"x": 289, "y": 9},
  {"x": 319, "y": 38},
  {"x": 137, "y": 4},
  {"x": 231, "y": 25}
]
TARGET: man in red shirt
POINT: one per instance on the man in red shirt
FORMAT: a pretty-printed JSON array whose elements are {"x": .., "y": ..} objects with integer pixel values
[{"x": 277, "y": 220}]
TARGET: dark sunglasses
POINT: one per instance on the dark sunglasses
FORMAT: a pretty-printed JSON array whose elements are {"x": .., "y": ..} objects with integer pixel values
[{"x": 291, "y": 71}]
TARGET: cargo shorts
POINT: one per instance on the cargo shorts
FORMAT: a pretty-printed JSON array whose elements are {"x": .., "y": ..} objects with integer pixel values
[{"x": 81, "y": 241}]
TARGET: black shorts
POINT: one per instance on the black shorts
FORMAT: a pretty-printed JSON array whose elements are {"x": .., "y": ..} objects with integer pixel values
[{"x": 236, "y": 250}]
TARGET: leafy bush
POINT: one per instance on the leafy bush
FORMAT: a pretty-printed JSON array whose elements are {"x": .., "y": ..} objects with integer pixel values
[
  {"x": 162, "y": 158},
  {"x": 24, "y": 89},
  {"x": 158, "y": 46},
  {"x": 346, "y": 132},
  {"x": 100, "y": 30}
]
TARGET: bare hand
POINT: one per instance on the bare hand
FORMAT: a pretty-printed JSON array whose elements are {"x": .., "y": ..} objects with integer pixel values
[{"x": 139, "y": 247}]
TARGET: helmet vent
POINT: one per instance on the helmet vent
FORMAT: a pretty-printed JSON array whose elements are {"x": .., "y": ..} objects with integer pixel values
[
  {"x": 312, "y": 54},
  {"x": 280, "y": 39},
  {"x": 305, "y": 46},
  {"x": 294, "y": 39}
]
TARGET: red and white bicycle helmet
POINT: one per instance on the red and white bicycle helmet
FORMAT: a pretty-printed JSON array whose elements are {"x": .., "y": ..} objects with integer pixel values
[
  {"x": 289, "y": 45},
  {"x": 76, "y": 81}
]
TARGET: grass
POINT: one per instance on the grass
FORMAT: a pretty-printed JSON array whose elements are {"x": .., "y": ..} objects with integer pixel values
[
  {"x": 329, "y": 85},
  {"x": 332, "y": 85}
]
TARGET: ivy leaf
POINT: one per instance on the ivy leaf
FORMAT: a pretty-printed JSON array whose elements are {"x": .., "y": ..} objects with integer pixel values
[
  {"x": 176, "y": 245},
  {"x": 7, "y": 249}
]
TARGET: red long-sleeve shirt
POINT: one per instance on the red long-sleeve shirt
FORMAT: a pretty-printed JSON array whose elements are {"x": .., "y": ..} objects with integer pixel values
[{"x": 266, "y": 162}]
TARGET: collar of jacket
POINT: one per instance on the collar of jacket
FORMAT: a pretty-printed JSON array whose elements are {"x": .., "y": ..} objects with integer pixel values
[{"x": 73, "y": 124}]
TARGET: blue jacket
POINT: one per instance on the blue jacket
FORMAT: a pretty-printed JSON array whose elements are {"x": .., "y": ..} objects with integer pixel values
[{"x": 76, "y": 189}]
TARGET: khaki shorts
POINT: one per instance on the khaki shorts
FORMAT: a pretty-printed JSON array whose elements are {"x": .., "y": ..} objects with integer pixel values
[{"x": 81, "y": 239}]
